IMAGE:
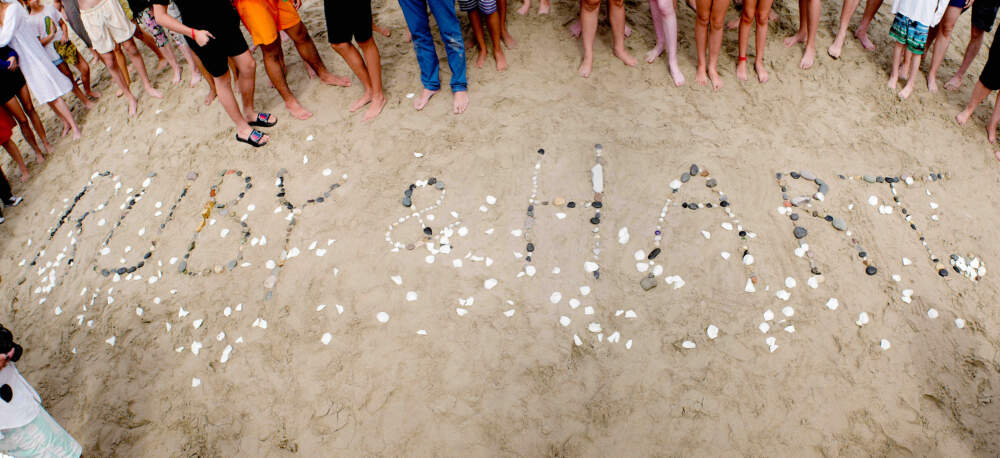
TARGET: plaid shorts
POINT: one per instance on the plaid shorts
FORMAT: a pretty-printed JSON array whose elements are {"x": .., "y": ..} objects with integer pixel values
[{"x": 909, "y": 33}]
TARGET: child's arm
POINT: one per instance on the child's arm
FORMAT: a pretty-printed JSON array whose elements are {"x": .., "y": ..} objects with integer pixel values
[
  {"x": 47, "y": 39},
  {"x": 64, "y": 28}
]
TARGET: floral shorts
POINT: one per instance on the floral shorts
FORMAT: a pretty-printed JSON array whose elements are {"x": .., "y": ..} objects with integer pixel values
[
  {"x": 157, "y": 31},
  {"x": 67, "y": 51},
  {"x": 909, "y": 33}
]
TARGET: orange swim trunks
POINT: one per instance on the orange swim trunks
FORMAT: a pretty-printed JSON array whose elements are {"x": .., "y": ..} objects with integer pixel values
[{"x": 265, "y": 18}]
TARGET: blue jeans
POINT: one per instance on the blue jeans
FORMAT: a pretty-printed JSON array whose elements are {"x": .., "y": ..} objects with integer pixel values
[{"x": 418, "y": 20}]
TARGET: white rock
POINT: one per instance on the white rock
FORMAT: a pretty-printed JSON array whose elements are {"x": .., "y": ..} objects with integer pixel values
[
  {"x": 959, "y": 323},
  {"x": 932, "y": 313},
  {"x": 789, "y": 282},
  {"x": 768, "y": 315},
  {"x": 585, "y": 290},
  {"x": 456, "y": 263},
  {"x": 111, "y": 341},
  {"x": 764, "y": 327},
  {"x": 725, "y": 255},
  {"x": 790, "y": 329},
  {"x": 560, "y": 215},
  {"x": 555, "y": 297},
  {"x": 576, "y": 340},
  {"x": 688, "y": 344},
  {"x": 749, "y": 288},
  {"x": 590, "y": 266},
  {"x": 320, "y": 307},
  {"x": 747, "y": 259},
  {"x": 597, "y": 178},
  {"x": 588, "y": 310},
  {"x": 897, "y": 278},
  {"x": 411, "y": 296},
  {"x": 706, "y": 234},
  {"x": 712, "y": 331},
  {"x": 460, "y": 311},
  {"x": 862, "y": 319},
  {"x": 574, "y": 303},
  {"x": 395, "y": 279},
  {"x": 783, "y": 295},
  {"x": 225, "y": 354},
  {"x": 907, "y": 292},
  {"x": 429, "y": 259},
  {"x": 530, "y": 270},
  {"x": 873, "y": 201},
  {"x": 906, "y": 261},
  {"x": 382, "y": 317},
  {"x": 196, "y": 347},
  {"x": 885, "y": 344},
  {"x": 788, "y": 311},
  {"x": 195, "y": 382},
  {"x": 564, "y": 320},
  {"x": 490, "y": 283},
  {"x": 623, "y": 235},
  {"x": 727, "y": 226},
  {"x": 641, "y": 266},
  {"x": 675, "y": 185},
  {"x": 594, "y": 327},
  {"x": 197, "y": 323},
  {"x": 813, "y": 282},
  {"x": 833, "y": 303}
]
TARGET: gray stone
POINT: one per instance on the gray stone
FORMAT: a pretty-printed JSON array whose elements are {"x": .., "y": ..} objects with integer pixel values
[
  {"x": 231, "y": 265},
  {"x": 839, "y": 224},
  {"x": 794, "y": 216},
  {"x": 648, "y": 283},
  {"x": 693, "y": 170},
  {"x": 808, "y": 175},
  {"x": 191, "y": 176},
  {"x": 439, "y": 185},
  {"x": 182, "y": 266},
  {"x": 869, "y": 178},
  {"x": 800, "y": 201},
  {"x": 685, "y": 177},
  {"x": 823, "y": 188},
  {"x": 799, "y": 232},
  {"x": 711, "y": 183},
  {"x": 407, "y": 202}
]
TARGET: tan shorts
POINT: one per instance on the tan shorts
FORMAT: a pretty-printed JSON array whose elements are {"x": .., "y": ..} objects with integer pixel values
[{"x": 107, "y": 25}]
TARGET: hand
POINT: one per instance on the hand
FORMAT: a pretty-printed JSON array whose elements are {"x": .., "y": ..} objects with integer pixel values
[
  {"x": 12, "y": 63},
  {"x": 202, "y": 36}
]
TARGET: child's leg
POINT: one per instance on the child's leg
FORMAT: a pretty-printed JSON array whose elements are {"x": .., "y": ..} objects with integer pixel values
[
  {"x": 763, "y": 16},
  {"x": 15, "y": 154},
  {"x": 62, "y": 110},
  {"x": 941, "y": 42},
  {"x": 979, "y": 93},
  {"x": 354, "y": 60},
  {"x": 588, "y": 31},
  {"x": 616, "y": 15},
  {"x": 904, "y": 68},
  {"x": 476, "y": 21},
  {"x": 718, "y": 21},
  {"x": 544, "y": 6},
  {"x": 991, "y": 127},
  {"x": 800, "y": 34},
  {"x": 871, "y": 8},
  {"x": 29, "y": 108},
  {"x": 654, "y": 12},
  {"x": 812, "y": 25},
  {"x": 14, "y": 107},
  {"x": 746, "y": 23},
  {"x": 494, "y": 26},
  {"x": 150, "y": 43},
  {"x": 846, "y": 11},
  {"x": 668, "y": 10},
  {"x": 84, "y": 68},
  {"x": 914, "y": 69},
  {"x": 373, "y": 63},
  {"x": 76, "y": 89},
  {"x": 704, "y": 14},
  {"x": 133, "y": 52},
  {"x": 507, "y": 38},
  {"x": 897, "y": 54}
]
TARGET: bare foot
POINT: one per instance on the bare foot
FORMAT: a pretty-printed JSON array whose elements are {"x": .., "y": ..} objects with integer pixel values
[
  {"x": 25, "y": 175},
  {"x": 808, "y": 59},
  {"x": 575, "y": 28},
  {"x": 907, "y": 90},
  {"x": 586, "y": 66},
  {"x": 47, "y": 147},
  {"x": 76, "y": 134},
  {"x": 461, "y": 102},
  {"x": 501, "y": 59},
  {"x": 508, "y": 40},
  {"x": 39, "y": 158},
  {"x": 361, "y": 102},
  {"x": 210, "y": 97},
  {"x": 835, "y": 49},
  {"x": 153, "y": 92},
  {"x": 296, "y": 110},
  {"x": 159, "y": 65},
  {"x": 333, "y": 80},
  {"x": 932, "y": 84},
  {"x": 954, "y": 83},
  {"x": 741, "y": 69},
  {"x": 544, "y": 7},
  {"x": 716, "y": 79},
  {"x": 375, "y": 109},
  {"x": 795, "y": 39},
  {"x": 996, "y": 155},
  {"x": 480, "y": 59},
  {"x": 425, "y": 97},
  {"x": 407, "y": 36},
  {"x": 893, "y": 79},
  {"x": 133, "y": 107},
  {"x": 701, "y": 77},
  {"x": 675, "y": 73},
  {"x": 653, "y": 54},
  {"x": 310, "y": 72},
  {"x": 177, "y": 76},
  {"x": 865, "y": 41},
  {"x": 65, "y": 129},
  {"x": 119, "y": 93},
  {"x": 762, "y": 75},
  {"x": 94, "y": 94},
  {"x": 524, "y": 8},
  {"x": 626, "y": 57},
  {"x": 963, "y": 117}
]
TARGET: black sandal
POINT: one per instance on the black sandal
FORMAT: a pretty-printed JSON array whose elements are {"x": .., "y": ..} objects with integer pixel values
[
  {"x": 262, "y": 120},
  {"x": 253, "y": 139}
]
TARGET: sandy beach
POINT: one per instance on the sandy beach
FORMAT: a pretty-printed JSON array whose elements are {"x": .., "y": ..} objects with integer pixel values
[{"x": 115, "y": 357}]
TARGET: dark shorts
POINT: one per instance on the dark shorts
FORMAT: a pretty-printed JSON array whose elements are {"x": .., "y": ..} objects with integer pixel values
[
  {"x": 346, "y": 19},
  {"x": 984, "y": 14},
  {"x": 957, "y": 3},
  {"x": 990, "y": 77},
  {"x": 228, "y": 42},
  {"x": 11, "y": 83}
]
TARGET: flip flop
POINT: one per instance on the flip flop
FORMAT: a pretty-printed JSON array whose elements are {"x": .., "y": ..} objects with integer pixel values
[
  {"x": 14, "y": 201},
  {"x": 253, "y": 139},
  {"x": 261, "y": 120}
]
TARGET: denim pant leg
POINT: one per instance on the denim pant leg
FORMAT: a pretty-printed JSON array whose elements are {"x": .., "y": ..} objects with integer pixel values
[
  {"x": 418, "y": 21},
  {"x": 451, "y": 36}
]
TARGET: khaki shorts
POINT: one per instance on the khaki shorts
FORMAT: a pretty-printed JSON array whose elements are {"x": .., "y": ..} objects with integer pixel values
[{"x": 107, "y": 25}]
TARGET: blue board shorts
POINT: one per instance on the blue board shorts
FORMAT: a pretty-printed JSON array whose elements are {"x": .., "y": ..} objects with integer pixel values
[{"x": 909, "y": 33}]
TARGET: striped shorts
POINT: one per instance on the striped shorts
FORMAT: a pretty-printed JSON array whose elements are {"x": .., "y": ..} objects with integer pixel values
[{"x": 484, "y": 6}]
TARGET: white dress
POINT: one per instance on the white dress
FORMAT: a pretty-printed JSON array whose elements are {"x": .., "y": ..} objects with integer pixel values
[{"x": 46, "y": 82}]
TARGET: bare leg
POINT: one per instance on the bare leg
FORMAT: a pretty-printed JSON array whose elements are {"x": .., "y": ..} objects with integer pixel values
[
  {"x": 524, "y": 8},
  {"x": 24, "y": 97},
  {"x": 228, "y": 100},
  {"x": 845, "y": 20},
  {"x": 190, "y": 58},
  {"x": 979, "y": 93},
  {"x": 76, "y": 89},
  {"x": 704, "y": 14},
  {"x": 871, "y": 8},
  {"x": 914, "y": 68},
  {"x": 654, "y": 12},
  {"x": 84, "y": 69},
  {"x": 668, "y": 11},
  {"x": 136, "y": 58},
  {"x": 109, "y": 62},
  {"x": 15, "y": 154},
  {"x": 272, "y": 65},
  {"x": 588, "y": 30},
  {"x": 62, "y": 110},
  {"x": 476, "y": 21},
  {"x": 942, "y": 40},
  {"x": 307, "y": 49},
  {"x": 150, "y": 43},
  {"x": 718, "y": 22},
  {"x": 762, "y": 16},
  {"x": 494, "y": 25},
  {"x": 800, "y": 34},
  {"x": 897, "y": 54},
  {"x": 746, "y": 22},
  {"x": 812, "y": 25},
  {"x": 385, "y": 32},
  {"x": 369, "y": 71},
  {"x": 171, "y": 58},
  {"x": 904, "y": 68},
  {"x": 506, "y": 37},
  {"x": 991, "y": 127},
  {"x": 544, "y": 6},
  {"x": 975, "y": 43},
  {"x": 616, "y": 15},
  {"x": 14, "y": 107}
]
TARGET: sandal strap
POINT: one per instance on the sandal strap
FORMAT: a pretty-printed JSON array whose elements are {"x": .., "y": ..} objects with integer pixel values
[
  {"x": 263, "y": 117},
  {"x": 255, "y": 136}
]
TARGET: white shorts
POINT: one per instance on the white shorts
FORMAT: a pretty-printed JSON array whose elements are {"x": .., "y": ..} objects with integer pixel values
[{"x": 107, "y": 25}]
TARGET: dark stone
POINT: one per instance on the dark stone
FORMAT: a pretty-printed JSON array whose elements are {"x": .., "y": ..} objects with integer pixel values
[
  {"x": 868, "y": 178},
  {"x": 646, "y": 283},
  {"x": 743, "y": 233},
  {"x": 408, "y": 192},
  {"x": 107, "y": 272},
  {"x": 823, "y": 188},
  {"x": 147, "y": 255},
  {"x": 808, "y": 175},
  {"x": 320, "y": 199},
  {"x": 708, "y": 205},
  {"x": 954, "y": 257},
  {"x": 794, "y": 216},
  {"x": 431, "y": 181},
  {"x": 828, "y": 218},
  {"x": 121, "y": 270},
  {"x": 527, "y": 258},
  {"x": 942, "y": 272},
  {"x": 879, "y": 179},
  {"x": 685, "y": 205},
  {"x": 231, "y": 265},
  {"x": 795, "y": 175},
  {"x": 595, "y": 220},
  {"x": 777, "y": 175},
  {"x": 799, "y": 232},
  {"x": 428, "y": 231},
  {"x": 685, "y": 177},
  {"x": 724, "y": 203},
  {"x": 711, "y": 183},
  {"x": 597, "y": 205},
  {"x": 140, "y": 264},
  {"x": 439, "y": 186},
  {"x": 530, "y": 247},
  {"x": 863, "y": 254},
  {"x": 871, "y": 270},
  {"x": 571, "y": 204},
  {"x": 839, "y": 224},
  {"x": 653, "y": 254},
  {"x": 130, "y": 269},
  {"x": 541, "y": 151},
  {"x": 693, "y": 170},
  {"x": 407, "y": 202}
]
